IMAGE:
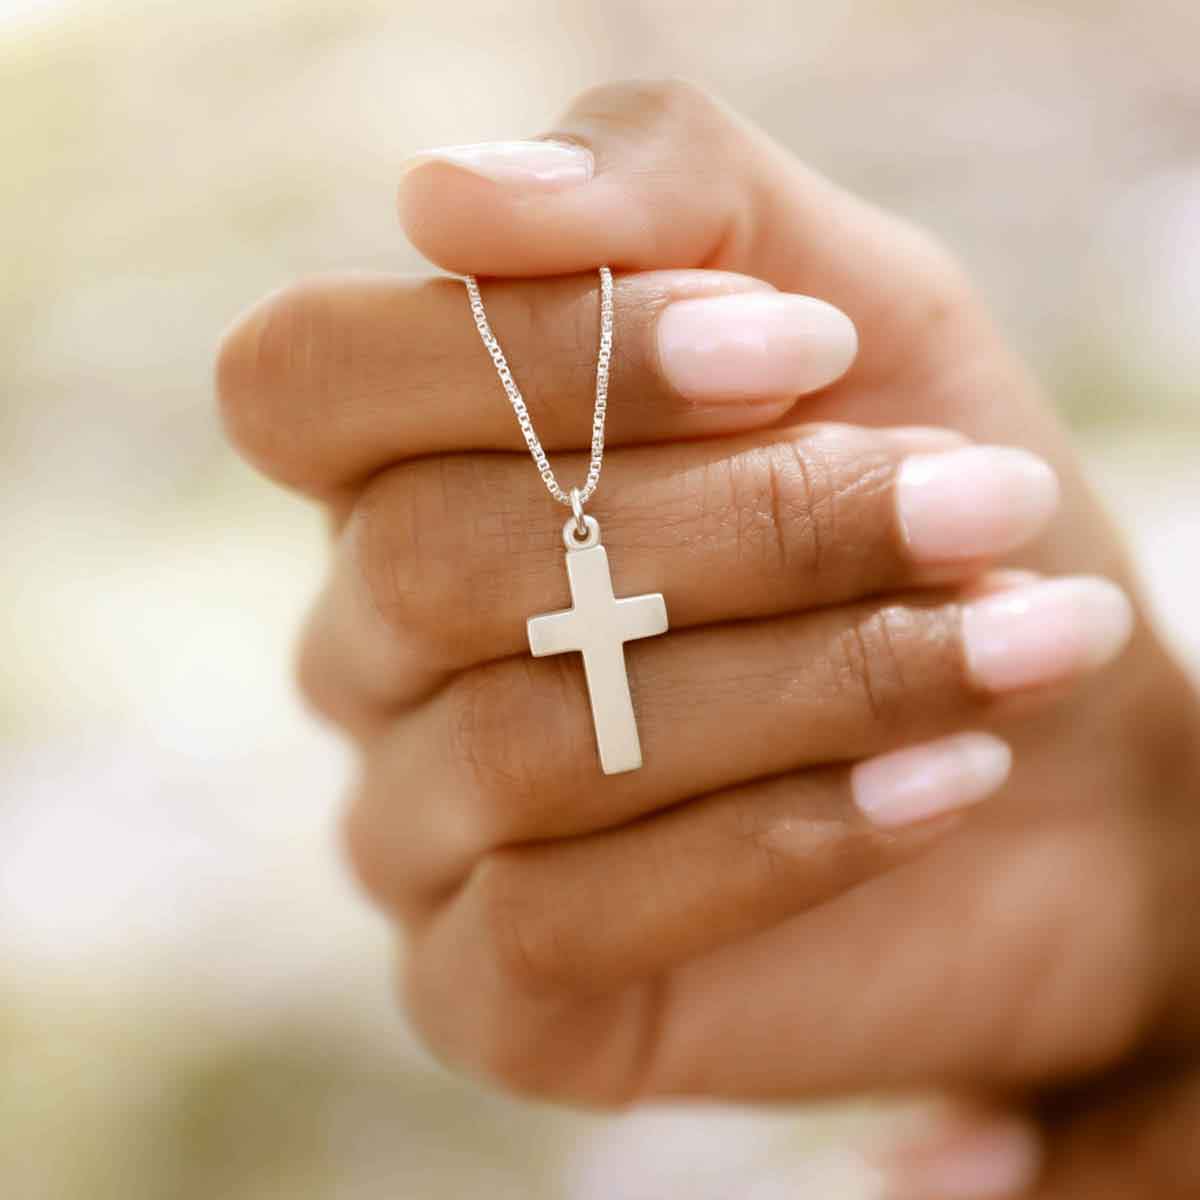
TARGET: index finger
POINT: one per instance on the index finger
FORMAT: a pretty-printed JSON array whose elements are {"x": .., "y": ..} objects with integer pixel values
[{"x": 333, "y": 379}]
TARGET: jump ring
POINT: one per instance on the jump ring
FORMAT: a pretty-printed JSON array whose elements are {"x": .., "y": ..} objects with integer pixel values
[
  {"x": 591, "y": 534},
  {"x": 581, "y": 529}
]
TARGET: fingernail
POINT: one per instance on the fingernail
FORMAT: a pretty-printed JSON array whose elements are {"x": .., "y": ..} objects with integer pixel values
[
  {"x": 920, "y": 782},
  {"x": 997, "y": 1162},
  {"x": 753, "y": 346},
  {"x": 535, "y": 165},
  {"x": 1045, "y": 632},
  {"x": 974, "y": 502}
]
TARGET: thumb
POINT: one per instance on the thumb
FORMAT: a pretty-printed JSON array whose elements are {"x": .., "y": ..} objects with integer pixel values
[{"x": 649, "y": 175}]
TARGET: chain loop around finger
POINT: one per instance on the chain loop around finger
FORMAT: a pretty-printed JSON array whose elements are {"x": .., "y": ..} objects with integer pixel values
[{"x": 599, "y": 413}]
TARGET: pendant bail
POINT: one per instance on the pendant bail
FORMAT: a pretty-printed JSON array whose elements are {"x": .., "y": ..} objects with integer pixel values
[{"x": 581, "y": 529}]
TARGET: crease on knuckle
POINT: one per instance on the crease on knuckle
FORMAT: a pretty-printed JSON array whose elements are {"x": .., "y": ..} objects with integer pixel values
[
  {"x": 871, "y": 659},
  {"x": 754, "y": 828},
  {"x": 635, "y": 104},
  {"x": 494, "y": 708},
  {"x": 408, "y": 543},
  {"x": 524, "y": 942},
  {"x": 793, "y": 509},
  {"x": 386, "y": 545}
]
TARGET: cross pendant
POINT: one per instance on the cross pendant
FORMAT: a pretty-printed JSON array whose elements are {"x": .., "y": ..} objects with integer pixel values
[{"x": 597, "y": 625}]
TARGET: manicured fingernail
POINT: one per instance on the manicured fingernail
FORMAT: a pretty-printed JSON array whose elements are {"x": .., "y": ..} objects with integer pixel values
[
  {"x": 1045, "y": 632},
  {"x": 1000, "y": 1161},
  {"x": 753, "y": 346},
  {"x": 536, "y": 166},
  {"x": 974, "y": 502},
  {"x": 920, "y": 782}
]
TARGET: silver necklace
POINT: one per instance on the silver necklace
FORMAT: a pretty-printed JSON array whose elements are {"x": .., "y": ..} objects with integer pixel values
[{"x": 597, "y": 625}]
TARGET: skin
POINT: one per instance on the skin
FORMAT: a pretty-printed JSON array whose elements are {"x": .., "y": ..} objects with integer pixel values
[{"x": 690, "y": 929}]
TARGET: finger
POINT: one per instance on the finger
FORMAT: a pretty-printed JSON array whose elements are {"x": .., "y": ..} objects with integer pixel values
[
  {"x": 506, "y": 753},
  {"x": 678, "y": 180},
  {"x": 589, "y": 917},
  {"x": 327, "y": 381},
  {"x": 646, "y": 175},
  {"x": 762, "y": 526},
  {"x": 605, "y": 910}
]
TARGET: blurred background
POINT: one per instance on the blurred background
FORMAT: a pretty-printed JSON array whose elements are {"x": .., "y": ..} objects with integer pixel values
[{"x": 193, "y": 1000}]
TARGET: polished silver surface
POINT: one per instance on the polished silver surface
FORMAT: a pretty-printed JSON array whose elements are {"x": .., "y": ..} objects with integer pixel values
[{"x": 597, "y": 625}]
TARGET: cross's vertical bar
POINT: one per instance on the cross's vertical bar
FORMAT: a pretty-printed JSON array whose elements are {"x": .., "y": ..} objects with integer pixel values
[
  {"x": 604, "y": 661},
  {"x": 612, "y": 709}
]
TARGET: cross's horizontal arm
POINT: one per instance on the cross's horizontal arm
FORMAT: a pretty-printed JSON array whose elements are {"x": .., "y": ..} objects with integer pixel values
[
  {"x": 641, "y": 616},
  {"x": 553, "y": 633}
]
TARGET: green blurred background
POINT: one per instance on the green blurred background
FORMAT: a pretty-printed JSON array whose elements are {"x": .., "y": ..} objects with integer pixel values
[{"x": 194, "y": 1001}]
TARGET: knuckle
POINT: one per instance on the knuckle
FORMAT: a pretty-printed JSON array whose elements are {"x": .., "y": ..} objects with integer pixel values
[
  {"x": 639, "y": 102},
  {"x": 791, "y": 518},
  {"x": 943, "y": 273},
  {"x": 267, "y": 360},
  {"x": 751, "y": 828},
  {"x": 940, "y": 289},
  {"x": 493, "y": 709},
  {"x": 311, "y": 668},
  {"x": 526, "y": 947},
  {"x": 871, "y": 660},
  {"x": 502, "y": 943},
  {"x": 328, "y": 684},
  {"x": 512, "y": 783},
  {"x": 390, "y": 556},
  {"x": 427, "y": 570},
  {"x": 534, "y": 1025},
  {"x": 363, "y": 849},
  {"x": 492, "y": 1038},
  {"x": 804, "y": 493}
]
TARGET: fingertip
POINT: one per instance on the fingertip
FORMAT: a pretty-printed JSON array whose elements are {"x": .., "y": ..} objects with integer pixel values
[
  {"x": 474, "y": 223},
  {"x": 914, "y": 784},
  {"x": 973, "y": 502},
  {"x": 753, "y": 346},
  {"x": 1045, "y": 633},
  {"x": 437, "y": 204}
]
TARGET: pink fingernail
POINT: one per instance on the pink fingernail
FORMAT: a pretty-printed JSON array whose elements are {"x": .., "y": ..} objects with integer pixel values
[
  {"x": 533, "y": 165},
  {"x": 973, "y": 502},
  {"x": 753, "y": 346},
  {"x": 1045, "y": 632},
  {"x": 996, "y": 1162},
  {"x": 920, "y": 782}
]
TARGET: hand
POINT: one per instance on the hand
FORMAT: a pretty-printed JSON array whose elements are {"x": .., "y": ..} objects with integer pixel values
[{"x": 695, "y": 927}]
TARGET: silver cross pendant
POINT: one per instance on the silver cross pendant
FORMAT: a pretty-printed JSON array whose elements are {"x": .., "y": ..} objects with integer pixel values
[{"x": 597, "y": 625}]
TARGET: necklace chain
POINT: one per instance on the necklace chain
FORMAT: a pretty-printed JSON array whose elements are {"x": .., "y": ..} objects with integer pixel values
[{"x": 574, "y": 497}]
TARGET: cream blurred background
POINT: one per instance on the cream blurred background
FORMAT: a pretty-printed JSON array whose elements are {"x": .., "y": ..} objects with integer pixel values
[{"x": 195, "y": 1004}]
